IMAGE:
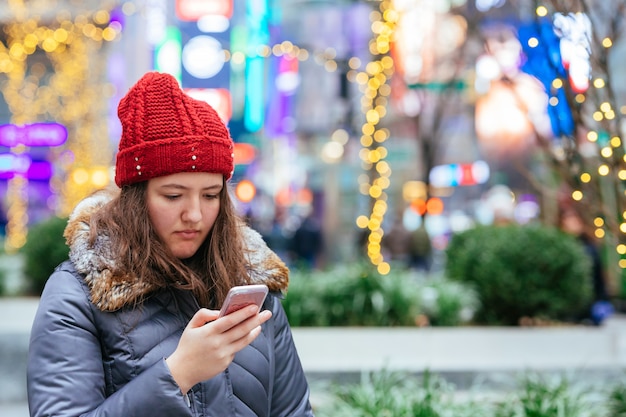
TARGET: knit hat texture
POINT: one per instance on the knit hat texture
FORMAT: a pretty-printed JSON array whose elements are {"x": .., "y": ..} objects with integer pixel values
[{"x": 164, "y": 131}]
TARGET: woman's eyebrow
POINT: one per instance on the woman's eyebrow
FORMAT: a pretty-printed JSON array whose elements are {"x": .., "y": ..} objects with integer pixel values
[{"x": 177, "y": 186}]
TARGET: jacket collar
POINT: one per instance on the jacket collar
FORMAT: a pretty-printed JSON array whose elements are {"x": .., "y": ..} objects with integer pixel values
[{"x": 110, "y": 292}]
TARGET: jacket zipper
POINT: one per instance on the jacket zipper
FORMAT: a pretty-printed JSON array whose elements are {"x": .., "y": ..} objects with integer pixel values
[{"x": 189, "y": 400}]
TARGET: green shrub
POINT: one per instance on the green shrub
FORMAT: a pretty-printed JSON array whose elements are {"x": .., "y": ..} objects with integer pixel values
[
  {"x": 44, "y": 250},
  {"x": 542, "y": 396},
  {"x": 447, "y": 303},
  {"x": 521, "y": 271},
  {"x": 350, "y": 295},
  {"x": 617, "y": 400},
  {"x": 398, "y": 394},
  {"x": 357, "y": 295},
  {"x": 3, "y": 289}
]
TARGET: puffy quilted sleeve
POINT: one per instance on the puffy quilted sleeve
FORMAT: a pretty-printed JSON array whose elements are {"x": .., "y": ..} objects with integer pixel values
[
  {"x": 65, "y": 373},
  {"x": 290, "y": 393}
]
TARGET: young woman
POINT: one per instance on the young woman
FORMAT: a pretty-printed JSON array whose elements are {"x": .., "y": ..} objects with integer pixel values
[{"x": 129, "y": 326}]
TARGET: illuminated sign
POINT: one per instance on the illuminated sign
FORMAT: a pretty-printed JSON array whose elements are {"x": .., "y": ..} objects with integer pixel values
[
  {"x": 192, "y": 10},
  {"x": 542, "y": 48},
  {"x": 280, "y": 117},
  {"x": 204, "y": 56},
  {"x": 218, "y": 98},
  {"x": 36, "y": 134},
  {"x": 452, "y": 175},
  {"x": 167, "y": 55},
  {"x": 14, "y": 163},
  {"x": 258, "y": 35},
  {"x": 574, "y": 30},
  {"x": 244, "y": 153},
  {"x": 11, "y": 165}
]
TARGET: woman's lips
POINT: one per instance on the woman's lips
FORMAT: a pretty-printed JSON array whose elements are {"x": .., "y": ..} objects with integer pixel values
[{"x": 188, "y": 234}]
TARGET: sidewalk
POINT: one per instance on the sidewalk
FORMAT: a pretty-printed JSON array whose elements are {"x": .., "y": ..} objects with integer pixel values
[
  {"x": 16, "y": 317},
  {"x": 463, "y": 355}
]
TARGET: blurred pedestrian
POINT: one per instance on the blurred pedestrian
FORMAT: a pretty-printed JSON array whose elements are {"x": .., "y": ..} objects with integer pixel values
[
  {"x": 396, "y": 242},
  {"x": 420, "y": 249},
  {"x": 129, "y": 326},
  {"x": 572, "y": 223},
  {"x": 307, "y": 242}
]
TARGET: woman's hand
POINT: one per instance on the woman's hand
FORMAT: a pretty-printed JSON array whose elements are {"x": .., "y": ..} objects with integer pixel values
[{"x": 208, "y": 345}]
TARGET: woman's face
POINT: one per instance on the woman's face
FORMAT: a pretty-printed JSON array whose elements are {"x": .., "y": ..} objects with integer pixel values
[{"x": 183, "y": 208}]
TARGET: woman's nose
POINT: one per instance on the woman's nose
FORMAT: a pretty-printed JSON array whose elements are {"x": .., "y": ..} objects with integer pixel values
[{"x": 192, "y": 212}]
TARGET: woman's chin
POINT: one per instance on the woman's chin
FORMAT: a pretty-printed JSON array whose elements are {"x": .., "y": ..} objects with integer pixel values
[{"x": 184, "y": 252}]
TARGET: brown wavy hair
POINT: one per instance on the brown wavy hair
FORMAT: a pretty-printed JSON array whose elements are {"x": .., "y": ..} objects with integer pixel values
[{"x": 218, "y": 264}]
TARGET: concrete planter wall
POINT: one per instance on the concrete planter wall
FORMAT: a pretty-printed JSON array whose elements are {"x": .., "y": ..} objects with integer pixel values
[
  {"x": 464, "y": 353},
  {"x": 465, "y": 349}
]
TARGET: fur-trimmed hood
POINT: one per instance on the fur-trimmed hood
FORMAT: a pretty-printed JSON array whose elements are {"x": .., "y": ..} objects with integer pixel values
[{"x": 110, "y": 293}]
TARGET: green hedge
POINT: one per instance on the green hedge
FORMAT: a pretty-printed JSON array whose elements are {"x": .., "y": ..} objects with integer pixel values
[
  {"x": 44, "y": 250},
  {"x": 3, "y": 272},
  {"x": 522, "y": 271},
  {"x": 357, "y": 295},
  {"x": 399, "y": 394}
]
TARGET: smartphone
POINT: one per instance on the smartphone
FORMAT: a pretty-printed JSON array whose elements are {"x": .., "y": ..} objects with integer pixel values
[{"x": 243, "y": 296}]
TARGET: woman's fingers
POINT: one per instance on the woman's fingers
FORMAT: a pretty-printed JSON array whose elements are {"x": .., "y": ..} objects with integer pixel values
[
  {"x": 202, "y": 317},
  {"x": 237, "y": 330},
  {"x": 238, "y": 344},
  {"x": 208, "y": 345},
  {"x": 236, "y": 318}
]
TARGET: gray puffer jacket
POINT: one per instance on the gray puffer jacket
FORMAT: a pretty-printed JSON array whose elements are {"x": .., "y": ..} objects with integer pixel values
[{"x": 95, "y": 352}]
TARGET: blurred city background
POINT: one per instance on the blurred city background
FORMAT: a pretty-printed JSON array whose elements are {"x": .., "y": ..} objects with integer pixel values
[
  {"x": 358, "y": 114},
  {"x": 466, "y": 148}
]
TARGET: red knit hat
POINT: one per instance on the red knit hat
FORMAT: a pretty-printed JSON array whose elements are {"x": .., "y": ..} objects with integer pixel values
[{"x": 164, "y": 131}]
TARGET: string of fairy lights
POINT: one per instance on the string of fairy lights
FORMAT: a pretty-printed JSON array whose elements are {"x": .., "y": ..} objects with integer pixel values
[
  {"x": 376, "y": 90},
  {"x": 611, "y": 151},
  {"x": 373, "y": 83},
  {"x": 73, "y": 96}
]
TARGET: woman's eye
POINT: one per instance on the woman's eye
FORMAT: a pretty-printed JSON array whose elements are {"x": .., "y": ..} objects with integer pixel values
[
  {"x": 172, "y": 196},
  {"x": 211, "y": 196}
]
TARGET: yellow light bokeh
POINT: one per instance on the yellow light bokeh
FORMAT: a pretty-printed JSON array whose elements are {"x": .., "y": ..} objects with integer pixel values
[
  {"x": 604, "y": 170},
  {"x": 606, "y": 152},
  {"x": 37, "y": 97},
  {"x": 616, "y": 141},
  {"x": 362, "y": 221},
  {"x": 374, "y": 104},
  {"x": 100, "y": 177},
  {"x": 384, "y": 268}
]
